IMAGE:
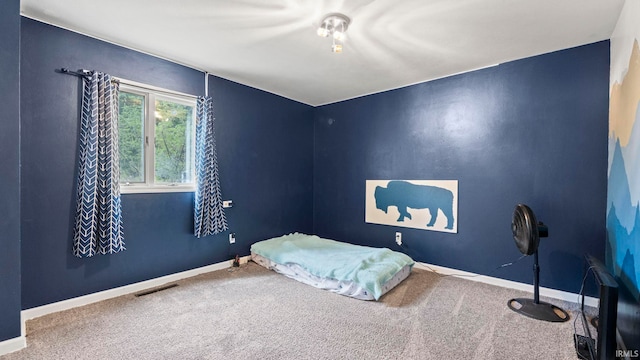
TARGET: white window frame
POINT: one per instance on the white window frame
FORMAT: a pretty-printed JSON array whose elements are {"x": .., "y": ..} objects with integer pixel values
[{"x": 150, "y": 94}]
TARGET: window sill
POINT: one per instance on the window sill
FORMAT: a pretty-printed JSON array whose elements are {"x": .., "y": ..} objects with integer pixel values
[{"x": 143, "y": 189}]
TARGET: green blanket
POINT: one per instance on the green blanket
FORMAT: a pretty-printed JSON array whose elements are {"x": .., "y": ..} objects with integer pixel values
[{"x": 366, "y": 266}]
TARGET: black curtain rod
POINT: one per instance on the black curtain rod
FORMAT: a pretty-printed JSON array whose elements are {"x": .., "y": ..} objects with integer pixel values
[
  {"x": 87, "y": 73},
  {"x": 81, "y": 72}
]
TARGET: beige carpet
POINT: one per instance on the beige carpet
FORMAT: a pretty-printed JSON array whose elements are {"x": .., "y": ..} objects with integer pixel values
[{"x": 252, "y": 313}]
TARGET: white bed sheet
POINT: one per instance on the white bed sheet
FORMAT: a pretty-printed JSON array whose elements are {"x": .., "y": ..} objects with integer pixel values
[{"x": 346, "y": 288}]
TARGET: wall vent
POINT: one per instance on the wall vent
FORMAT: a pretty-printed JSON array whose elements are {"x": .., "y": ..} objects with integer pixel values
[{"x": 155, "y": 290}]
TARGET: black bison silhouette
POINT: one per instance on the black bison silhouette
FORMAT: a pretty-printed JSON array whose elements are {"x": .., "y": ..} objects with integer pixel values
[{"x": 403, "y": 195}]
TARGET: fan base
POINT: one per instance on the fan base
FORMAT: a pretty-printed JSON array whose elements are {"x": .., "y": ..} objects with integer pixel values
[{"x": 540, "y": 310}]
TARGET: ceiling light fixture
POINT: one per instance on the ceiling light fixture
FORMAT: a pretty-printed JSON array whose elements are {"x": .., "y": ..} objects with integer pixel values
[{"x": 334, "y": 25}]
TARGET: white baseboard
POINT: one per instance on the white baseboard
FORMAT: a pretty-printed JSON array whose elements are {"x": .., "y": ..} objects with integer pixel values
[
  {"x": 119, "y": 291},
  {"x": 11, "y": 345},
  {"x": 552, "y": 293}
]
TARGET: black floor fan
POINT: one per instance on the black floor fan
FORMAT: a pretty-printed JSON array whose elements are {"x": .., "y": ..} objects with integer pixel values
[{"x": 527, "y": 232}]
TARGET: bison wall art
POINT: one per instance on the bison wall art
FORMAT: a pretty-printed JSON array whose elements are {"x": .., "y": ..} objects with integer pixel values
[{"x": 419, "y": 204}]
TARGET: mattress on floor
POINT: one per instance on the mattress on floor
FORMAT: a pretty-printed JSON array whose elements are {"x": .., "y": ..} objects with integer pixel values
[{"x": 361, "y": 272}]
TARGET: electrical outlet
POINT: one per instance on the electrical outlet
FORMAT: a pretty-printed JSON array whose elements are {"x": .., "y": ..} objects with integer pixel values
[
  {"x": 399, "y": 238},
  {"x": 232, "y": 238},
  {"x": 227, "y": 203}
]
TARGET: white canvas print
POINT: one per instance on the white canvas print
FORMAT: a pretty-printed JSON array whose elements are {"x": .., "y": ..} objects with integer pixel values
[{"x": 418, "y": 204}]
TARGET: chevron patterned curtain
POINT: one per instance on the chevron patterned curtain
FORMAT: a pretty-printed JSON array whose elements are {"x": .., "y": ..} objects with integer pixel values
[
  {"x": 98, "y": 225},
  {"x": 209, "y": 215}
]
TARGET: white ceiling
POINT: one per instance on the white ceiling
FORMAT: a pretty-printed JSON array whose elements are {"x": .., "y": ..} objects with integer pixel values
[{"x": 272, "y": 44}]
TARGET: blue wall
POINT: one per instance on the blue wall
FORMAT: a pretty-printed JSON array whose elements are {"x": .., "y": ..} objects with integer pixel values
[
  {"x": 266, "y": 161},
  {"x": 10, "y": 169},
  {"x": 258, "y": 133},
  {"x": 532, "y": 131}
]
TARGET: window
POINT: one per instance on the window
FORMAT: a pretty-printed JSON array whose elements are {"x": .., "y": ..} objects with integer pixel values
[{"x": 156, "y": 133}]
